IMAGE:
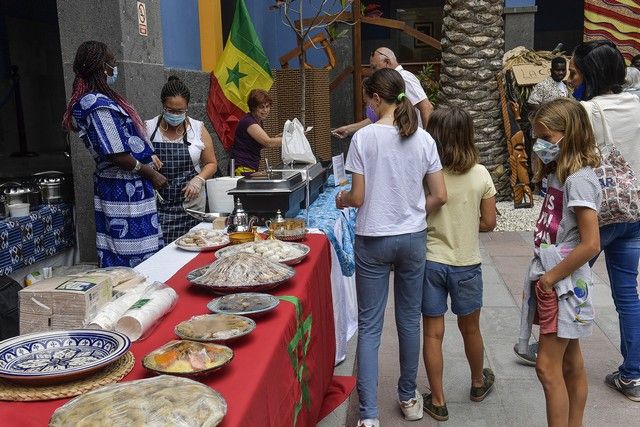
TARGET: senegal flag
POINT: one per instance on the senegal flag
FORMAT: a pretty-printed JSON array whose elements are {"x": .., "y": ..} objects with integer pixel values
[{"x": 242, "y": 67}]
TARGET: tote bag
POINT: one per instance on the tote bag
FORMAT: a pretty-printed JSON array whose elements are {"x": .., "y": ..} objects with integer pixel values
[{"x": 620, "y": 191}]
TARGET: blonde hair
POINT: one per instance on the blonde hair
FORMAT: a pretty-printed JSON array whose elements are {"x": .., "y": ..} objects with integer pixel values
[
  {"x": 578, "y": 146},
  {"x": 452, "y": 129}
]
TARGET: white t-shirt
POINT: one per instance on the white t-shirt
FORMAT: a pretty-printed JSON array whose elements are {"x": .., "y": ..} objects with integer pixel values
[
  {"x": 393, "y": 168},
  {"x": 194, "y": 136},
  {"x": 622, "y": 115},
  {"x": 413, "y": 89}
]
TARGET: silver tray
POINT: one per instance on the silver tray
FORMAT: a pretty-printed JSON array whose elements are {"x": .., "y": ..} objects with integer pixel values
[
  {"x": 193, "y": 276},
  {"x": 215, "y": 304},
  {"x": 224, "y": 252},
  {"x": 251, "y": 325}
]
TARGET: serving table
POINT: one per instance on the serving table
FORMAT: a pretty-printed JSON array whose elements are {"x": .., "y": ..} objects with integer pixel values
[{"x": 281, "y": 374}]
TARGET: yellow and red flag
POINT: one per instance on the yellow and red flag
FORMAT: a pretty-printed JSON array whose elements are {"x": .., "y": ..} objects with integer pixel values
[{"x": 242, "y": 67}]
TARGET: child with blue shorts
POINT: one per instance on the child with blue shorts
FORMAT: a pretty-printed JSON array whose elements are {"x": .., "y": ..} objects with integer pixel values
[{"x": 453, "y": 255}]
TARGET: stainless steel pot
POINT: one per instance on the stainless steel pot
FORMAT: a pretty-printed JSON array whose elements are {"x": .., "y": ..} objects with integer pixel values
[
  {"x": 15, "y": 192},
  {"x": 54, "y": 186}
]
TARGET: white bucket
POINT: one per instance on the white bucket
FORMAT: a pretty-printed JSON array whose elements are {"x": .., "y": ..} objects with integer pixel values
[
  {"x": 219, "y": 200},
  {"x": 19, "y": 209}
]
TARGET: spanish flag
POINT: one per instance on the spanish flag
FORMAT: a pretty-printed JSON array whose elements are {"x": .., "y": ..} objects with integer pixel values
[{"x": 242, "y": 67}]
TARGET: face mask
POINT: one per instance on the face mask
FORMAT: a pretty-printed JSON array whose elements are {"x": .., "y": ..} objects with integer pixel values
[
  {"x": 371, "y": 114},
  {"x": 547, "y": 151},
  {"x": 174, "y": 119},
  {"x": 111, "y": 80},
  {"x": 578, "y": 92}
]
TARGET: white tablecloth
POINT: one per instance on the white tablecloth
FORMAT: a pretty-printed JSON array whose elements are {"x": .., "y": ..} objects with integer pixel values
[{"x": 164, "y": 264}]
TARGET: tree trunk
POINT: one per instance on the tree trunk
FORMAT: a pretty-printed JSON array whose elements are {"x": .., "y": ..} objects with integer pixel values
[{"x": 472, "y": 50}]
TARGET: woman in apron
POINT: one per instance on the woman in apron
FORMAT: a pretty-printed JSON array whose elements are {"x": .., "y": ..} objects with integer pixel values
[{"x": 185, "y": 155}]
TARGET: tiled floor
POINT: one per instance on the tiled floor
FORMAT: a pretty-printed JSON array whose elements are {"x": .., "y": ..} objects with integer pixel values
[{"x": 518, "y": 399}]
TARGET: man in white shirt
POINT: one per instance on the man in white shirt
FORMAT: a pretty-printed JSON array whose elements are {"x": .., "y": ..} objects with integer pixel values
[
  {"x": 384, "y": 57},
  {"x": 552, "y": 87}
]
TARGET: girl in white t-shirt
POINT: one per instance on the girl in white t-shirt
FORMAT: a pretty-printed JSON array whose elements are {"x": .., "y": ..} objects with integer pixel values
[
  {"x": 392, "y": 162},
  {"x": 453, "y": 256}
]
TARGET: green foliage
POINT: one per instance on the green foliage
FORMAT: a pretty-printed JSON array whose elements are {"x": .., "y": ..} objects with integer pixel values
[{"x": 430, "y": 86}]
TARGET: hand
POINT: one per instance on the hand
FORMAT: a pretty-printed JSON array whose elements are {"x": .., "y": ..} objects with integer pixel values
[
  {"x": 192, "y": 189},
  {"x": 545, "y": 283},
  {"x": 157, "y": 163},
  {"x": 158, "y": 180},
  {"x": 340, "y": 200},
  {"x": 341, "y": 132}
]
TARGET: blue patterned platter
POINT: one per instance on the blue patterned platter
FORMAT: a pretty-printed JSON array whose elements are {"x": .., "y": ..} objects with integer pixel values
[{"x": 58, "y": 356}]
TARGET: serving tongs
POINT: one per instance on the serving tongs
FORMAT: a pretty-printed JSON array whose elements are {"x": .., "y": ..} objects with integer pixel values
[{"x": 205, "y": 216}]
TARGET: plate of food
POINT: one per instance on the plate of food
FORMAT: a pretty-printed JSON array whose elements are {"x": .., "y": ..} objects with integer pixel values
[
  {"x": 187, "y": 358},
  {"x": 273, "y": 250},
  {"x": 202, "y": 239},
  {"x": 215, "y": 327},
  {"x": 241, "y": 272},
  {"x": 244, "y": 304},
  {"x": 158, "y": 401},
  {"x": 58, "y": 356}
]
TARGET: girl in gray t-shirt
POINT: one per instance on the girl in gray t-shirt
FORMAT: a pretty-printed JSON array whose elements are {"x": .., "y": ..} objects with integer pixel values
[{"x": 557, "y": 287}]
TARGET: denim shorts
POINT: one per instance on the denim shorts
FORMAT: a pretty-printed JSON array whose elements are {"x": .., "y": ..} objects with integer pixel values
[{"x": 463, "y": 284}]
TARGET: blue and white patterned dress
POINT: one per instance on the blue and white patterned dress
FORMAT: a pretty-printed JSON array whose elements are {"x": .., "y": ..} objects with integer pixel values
[{"x": 127, "y": 229}]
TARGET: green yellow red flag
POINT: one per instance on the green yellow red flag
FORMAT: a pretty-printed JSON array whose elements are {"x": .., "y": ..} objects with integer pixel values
[{"x": 242, "y": 67}]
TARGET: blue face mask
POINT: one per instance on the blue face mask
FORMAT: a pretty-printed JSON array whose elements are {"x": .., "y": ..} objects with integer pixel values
[
  {"x": 371, "y": 114},
  {"x": 111, "y": 80},
  {"x": 547, "y": 151},
  {"x": 174, "y": 119},
  {"x": 578, "y": 92}
]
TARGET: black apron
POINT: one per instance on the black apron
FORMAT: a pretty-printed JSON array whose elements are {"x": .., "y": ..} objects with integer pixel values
[{"x": 178, "y": 169}]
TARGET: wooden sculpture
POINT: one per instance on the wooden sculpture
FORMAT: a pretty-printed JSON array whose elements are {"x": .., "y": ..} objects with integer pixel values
[{"x": 518, "y": 160}]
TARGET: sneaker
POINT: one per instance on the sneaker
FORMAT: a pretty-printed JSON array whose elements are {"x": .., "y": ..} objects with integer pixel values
[
  {"x": 630, "y": 388},
  {"x": 439, "y": 413},
  {"x": 369, "y": 422},
  {"x": 412, "y": 408},
  {"x": 529, "y": 358},
  {"x": 477, "y": 394}
]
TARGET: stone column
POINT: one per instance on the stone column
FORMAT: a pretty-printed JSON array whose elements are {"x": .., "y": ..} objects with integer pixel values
[{"x": 140, "y": 78}]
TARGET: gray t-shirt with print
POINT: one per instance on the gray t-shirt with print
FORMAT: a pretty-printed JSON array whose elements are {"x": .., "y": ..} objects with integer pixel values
[{"x": 581, "y": 188}]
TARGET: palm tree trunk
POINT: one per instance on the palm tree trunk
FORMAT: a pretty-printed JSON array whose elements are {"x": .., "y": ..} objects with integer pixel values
[{"x": 472, "y": 50}]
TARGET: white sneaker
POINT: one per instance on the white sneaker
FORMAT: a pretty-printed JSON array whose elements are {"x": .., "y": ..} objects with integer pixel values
[
  {"x": 412, "y": 409},
  {"x": 369, "y": 422}
]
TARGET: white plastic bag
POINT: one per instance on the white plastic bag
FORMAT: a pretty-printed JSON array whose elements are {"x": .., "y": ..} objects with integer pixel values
[{"x": 295, "y": 146}]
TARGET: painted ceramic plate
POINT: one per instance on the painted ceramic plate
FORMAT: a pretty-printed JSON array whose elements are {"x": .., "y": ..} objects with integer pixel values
[
  {"x": 273, "y": 250},
  {"x": 215, "y": 327},
  {"x": 202, "y": 240},
  {"x": 245, "y": 304},
  {"x": 188, "y": 358},
  {"x": 57, "y": 356}
]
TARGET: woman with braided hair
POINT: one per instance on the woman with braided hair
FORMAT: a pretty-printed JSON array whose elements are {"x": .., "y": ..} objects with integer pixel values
[
  {"x": 127, "y": 229},
  {"x": 185, "y": 149}
]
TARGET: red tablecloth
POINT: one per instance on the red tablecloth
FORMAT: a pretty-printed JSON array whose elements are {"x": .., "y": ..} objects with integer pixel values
[{"x": 260, "y": 385}]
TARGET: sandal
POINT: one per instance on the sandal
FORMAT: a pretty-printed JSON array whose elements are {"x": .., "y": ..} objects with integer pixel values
[
  {"x": 439, "y": 413},
  {"x": 478, "y": 394}
]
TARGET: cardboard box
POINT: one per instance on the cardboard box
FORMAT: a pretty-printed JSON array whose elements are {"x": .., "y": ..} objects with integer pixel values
[{"x": 62, "y": 302}]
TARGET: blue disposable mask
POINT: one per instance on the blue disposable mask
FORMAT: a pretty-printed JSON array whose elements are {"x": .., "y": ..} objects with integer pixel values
[
  {"x": 174, "y": 119},
  {"x": 578, "y": 92},
  {"x": 111, "y": 80},
  {"x": 547, "y": 151},
  {"x": 371, "y": 114}
]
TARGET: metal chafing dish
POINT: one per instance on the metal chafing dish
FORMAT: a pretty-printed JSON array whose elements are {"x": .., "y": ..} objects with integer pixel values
[
  {"x": 317, "y": 176},
  {"x": 263, "y": 193}
]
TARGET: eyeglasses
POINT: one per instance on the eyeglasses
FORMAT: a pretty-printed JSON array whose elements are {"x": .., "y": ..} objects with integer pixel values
[
  {"x": 173, "y": 111},
  {"x": 379, "y": 53}
]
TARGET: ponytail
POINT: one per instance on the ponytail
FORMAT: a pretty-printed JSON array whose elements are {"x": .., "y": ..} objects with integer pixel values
[{"x": 405, "y": 117}]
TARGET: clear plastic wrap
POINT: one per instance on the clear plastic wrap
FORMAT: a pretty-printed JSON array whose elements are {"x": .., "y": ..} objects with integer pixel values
[{"x": 160, "y": 401}]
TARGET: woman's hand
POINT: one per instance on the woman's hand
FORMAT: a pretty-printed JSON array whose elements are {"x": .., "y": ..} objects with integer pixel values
[
  {"x": 341, "y": 199},
  {"x": 192, "y": 189},
  {"x": 157, "y": 163},
  {"x": 157, "y": 179}
]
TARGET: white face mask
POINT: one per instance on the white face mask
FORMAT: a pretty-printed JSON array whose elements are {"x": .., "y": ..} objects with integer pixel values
[
  {"x": 111, "y": 80},
  {"x": 547, "y": 151}
]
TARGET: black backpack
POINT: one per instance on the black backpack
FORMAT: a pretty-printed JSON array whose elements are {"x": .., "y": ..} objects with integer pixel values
[{"x": 9, "y": 313}]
